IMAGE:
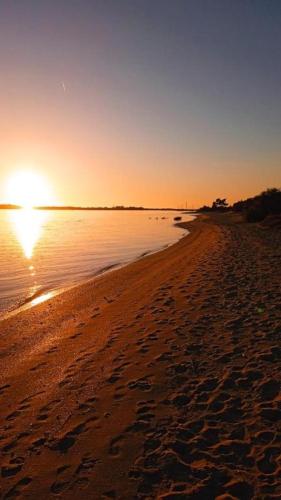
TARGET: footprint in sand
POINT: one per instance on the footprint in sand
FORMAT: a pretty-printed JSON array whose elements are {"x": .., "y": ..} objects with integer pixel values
[
  {"x": 142, "y": 384},
  {"x": 17, "y": 490},
  {"x": 3, "y": 388}
]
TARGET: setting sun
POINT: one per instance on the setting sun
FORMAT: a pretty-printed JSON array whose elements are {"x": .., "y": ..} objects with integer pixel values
[{"x": 28, "y": 189}]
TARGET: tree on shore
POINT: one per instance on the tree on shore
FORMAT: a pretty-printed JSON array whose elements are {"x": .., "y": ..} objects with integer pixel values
[
  {"x": 257, "y": 208},
  {"x": 220, "y": 204}
]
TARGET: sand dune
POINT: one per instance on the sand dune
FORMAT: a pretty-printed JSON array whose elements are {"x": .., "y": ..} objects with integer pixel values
[{"x": 159, "y": 380}]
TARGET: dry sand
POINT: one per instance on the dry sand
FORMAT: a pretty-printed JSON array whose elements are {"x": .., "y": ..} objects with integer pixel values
[{"x": 159, "y": 380}]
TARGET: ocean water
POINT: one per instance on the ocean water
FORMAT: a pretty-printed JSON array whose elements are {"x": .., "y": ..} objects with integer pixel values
[{"x": 43, "y": 251}]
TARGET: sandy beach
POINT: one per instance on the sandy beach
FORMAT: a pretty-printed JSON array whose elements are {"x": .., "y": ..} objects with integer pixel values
[{"x": 158, "y": 380}]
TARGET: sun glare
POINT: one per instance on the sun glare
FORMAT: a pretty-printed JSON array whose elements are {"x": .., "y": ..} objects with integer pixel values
[
  {"x": 28, "y": 189},
  {"x": 28, "y": 225}
]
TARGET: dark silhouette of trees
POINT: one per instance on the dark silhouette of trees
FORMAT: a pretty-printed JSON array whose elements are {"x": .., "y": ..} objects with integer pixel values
[
  {"x": 220, "y": 204},
  {"x": 257, "y": 208}
]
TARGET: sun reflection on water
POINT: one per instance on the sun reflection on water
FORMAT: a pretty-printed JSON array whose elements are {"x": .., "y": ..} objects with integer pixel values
[{"x": 27, "y": 225}]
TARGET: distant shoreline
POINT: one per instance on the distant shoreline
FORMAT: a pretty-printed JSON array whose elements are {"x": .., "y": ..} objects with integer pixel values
[{"x": 118, "y": 208}]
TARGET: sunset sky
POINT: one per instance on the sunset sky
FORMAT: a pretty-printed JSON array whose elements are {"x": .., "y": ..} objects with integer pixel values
[{"x": 145, "y": 102}]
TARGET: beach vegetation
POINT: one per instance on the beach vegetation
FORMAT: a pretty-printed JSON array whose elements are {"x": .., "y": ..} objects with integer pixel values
[
  {"x": 218, "y": 205},
  {"x": 257, "y": 208}
]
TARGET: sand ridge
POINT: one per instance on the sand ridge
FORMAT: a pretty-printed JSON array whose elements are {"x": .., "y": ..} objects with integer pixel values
[{"x": 159, "y": 380}]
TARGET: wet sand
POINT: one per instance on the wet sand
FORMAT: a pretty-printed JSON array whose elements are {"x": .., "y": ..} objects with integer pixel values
[{"x": 158, "y": 380}]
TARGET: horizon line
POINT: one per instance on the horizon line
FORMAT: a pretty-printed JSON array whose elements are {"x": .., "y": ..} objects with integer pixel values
[{"x": 10, "y": 206}]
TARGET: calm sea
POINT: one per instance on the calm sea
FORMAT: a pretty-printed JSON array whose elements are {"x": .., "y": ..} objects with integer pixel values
[{"x": 43, "y": 251}]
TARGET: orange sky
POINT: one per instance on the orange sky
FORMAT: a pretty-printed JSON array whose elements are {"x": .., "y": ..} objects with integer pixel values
[{"x": 141, "y": 106}]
